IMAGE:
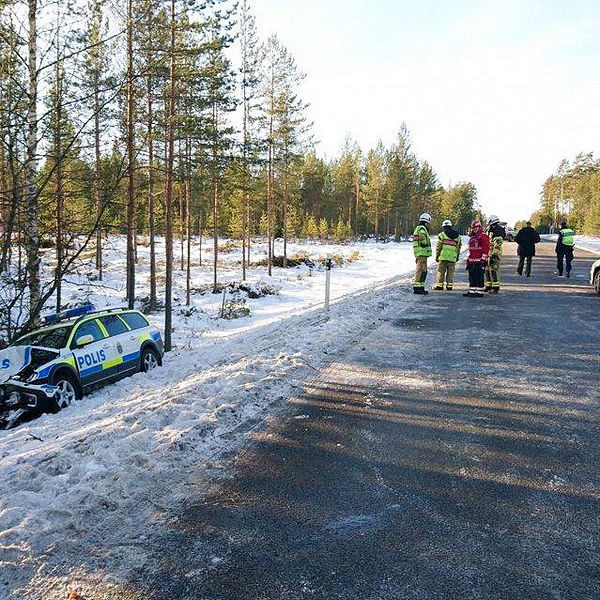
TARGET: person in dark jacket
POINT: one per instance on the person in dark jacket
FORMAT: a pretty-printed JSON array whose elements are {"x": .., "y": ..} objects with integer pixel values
[
  {"x": 564, "y": 248},
  {"x": 526, "y": 238}
]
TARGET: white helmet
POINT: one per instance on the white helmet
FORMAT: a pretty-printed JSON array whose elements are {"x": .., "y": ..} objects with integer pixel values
[
  {"x": 493, "y": 220},
  {"x": 425, "y": 217},
  {"x": 447, "y": 223}
]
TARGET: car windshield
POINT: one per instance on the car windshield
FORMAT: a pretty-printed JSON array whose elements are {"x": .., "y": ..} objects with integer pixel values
[{"x": 47, "y": 338}]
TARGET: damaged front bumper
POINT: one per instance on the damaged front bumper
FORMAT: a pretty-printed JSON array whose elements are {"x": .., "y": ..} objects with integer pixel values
[{"x": 18, "y": 399}]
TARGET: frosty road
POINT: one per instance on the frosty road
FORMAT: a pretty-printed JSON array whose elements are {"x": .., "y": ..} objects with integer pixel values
[{"x": 451, "y": 452}]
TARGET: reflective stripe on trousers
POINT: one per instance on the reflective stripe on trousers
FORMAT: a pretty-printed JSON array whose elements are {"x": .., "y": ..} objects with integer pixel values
[
  {"x": 492, "y": 273},
  {"x": 445, "y": 274}
]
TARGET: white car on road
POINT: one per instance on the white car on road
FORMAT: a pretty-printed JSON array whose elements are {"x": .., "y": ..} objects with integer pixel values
[{"x": 595, "y": 276}]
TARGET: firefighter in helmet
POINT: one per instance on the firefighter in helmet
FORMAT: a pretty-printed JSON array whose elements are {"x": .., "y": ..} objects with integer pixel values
[
  {"x": 422, "y": 251},
  {"x": 447, "y": 252},
  {"x": 496, "y": 234},
  {"x": 479, "y": 249}
]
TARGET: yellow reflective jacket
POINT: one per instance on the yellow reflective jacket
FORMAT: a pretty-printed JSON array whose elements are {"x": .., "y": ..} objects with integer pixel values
[
  {"x": 448, "y": 248},
  {"x": 421, "y": 241}
]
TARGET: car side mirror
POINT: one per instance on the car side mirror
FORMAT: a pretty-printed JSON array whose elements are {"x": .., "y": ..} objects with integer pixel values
[{"x": 84, "y": 340}]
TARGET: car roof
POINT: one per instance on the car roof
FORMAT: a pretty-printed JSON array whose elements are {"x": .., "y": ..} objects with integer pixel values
[{"x": 81, "y": 319}]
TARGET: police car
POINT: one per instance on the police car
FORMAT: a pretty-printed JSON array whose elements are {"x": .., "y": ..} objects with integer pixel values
[{"x": 51, "y": 367}]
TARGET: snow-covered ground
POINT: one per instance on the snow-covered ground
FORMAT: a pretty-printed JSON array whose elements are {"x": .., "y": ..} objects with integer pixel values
[
  {"x": 86, "y": 487},
  {"x": 588, "y": 243}
]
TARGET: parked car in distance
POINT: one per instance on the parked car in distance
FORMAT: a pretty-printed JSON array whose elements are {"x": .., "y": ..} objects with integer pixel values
[
  {"x": 71, "y": 352},
  {"x": 595, "y": 276}
]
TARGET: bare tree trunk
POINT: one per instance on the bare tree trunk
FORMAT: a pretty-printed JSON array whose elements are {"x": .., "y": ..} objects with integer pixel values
[
  {"x": 377, "y": 200},
  {"x": 169, "y": 190},
  {"x": 244, "y": 228},
  {"x": 270, "y": 200},
  {"x": 97, "y": 175},
  {"x": 284, "y": 215},
  {"x": 151, "y": 220},
  {"x": 188, "y": 272},
  {"x": 32, "y": 225},
  {"x": 130, "y": 161},
  {"x": 249, "y": 222},
  {"x": 200, "y": 232},
  {"x": 59, "y": 183},
  {"x": 387, "y": 222},
  {"x": 357, "y": 208},
  {"x": 10, "y": 177},
  {"x": 182, "y": 200},
  {"x": 215, "y": 192}
]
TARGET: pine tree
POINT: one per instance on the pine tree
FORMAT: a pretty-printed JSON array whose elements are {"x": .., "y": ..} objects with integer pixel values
[
  {"x": 251, "y": 143},
  {"x": 323, "y": 229},
  {"x": 310, "y": 229}
]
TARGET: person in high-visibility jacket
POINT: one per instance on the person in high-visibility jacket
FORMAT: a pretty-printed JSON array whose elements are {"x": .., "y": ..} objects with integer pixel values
[
  {"x": 447, "y": 252},
  {"x": 564, "y": 248},
  {"x": 422, "y": 250},
  {"x": 496, "y": 234}
]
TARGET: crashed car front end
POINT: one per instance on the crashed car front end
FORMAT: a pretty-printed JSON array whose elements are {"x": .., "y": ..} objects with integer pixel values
[
  {"x": 18, "y": 399},
  {"x": 20, "y": 394}
]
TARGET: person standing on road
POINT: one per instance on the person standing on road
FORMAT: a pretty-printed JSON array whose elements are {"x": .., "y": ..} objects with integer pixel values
[
  {"x": 564, "y": 248},
  {"x": 447, "y": 252},
  {"x": 422, "y": 250},
  {"x": 496, "y": 235},
  {"x": 526, "y": 238},
  {"x": 479, "y": 250}
]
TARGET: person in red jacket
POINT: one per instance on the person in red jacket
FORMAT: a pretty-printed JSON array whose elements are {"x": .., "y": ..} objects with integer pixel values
[{"x": 479, "y": 254}]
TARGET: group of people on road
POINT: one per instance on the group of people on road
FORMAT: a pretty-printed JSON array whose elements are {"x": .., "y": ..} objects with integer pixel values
[{"x": 484, "y": 255}]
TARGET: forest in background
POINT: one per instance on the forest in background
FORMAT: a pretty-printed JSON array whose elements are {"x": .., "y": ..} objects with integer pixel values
[
  {"x": 152, "y": 118},
  {"x": 572, "y": 194}
]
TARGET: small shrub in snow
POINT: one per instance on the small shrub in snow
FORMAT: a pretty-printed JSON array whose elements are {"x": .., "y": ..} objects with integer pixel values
[
  {"x": 187, "y": 311},
  {"x": 143, "y": 305},
  {"x": 234, "y": 307},
  {"x": 229, "y": 246},
  {"x": 260, "y": 289},
  {"x": 294, "y": 260}
]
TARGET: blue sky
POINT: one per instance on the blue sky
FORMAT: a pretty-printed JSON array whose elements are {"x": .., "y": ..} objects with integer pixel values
[{"x": 493, "y": 92}]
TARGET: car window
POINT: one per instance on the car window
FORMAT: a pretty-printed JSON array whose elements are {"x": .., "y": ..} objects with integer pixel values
[
  {"x": 134, "y": 320},
  {"x": 113, "y": 325},
  {"x": 88, "y": 328},
  {"x": 48, "y": 338}
]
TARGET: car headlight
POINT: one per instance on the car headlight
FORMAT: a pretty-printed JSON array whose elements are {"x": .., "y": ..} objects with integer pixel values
[{"x": 13, "y": 399}]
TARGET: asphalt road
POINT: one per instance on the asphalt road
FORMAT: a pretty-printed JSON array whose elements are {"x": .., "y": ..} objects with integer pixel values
[{"x": 453, "y": 453}]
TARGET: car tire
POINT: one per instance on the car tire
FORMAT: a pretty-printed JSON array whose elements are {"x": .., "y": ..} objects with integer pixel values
[
  {"x": 68, "y": 387},
  {"x": 597, "y": 281},
  {"x": 149, "y": 360}
]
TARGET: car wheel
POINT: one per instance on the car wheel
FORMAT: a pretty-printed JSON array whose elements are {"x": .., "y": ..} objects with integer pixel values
[
  {"x": 68, "y": 390},
  {"x": 149, "y": 360},
  {"x": 597, "y": 281}
]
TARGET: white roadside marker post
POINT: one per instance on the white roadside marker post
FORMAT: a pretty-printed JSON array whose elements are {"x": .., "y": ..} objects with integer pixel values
[{"x": 328, "y": 264}]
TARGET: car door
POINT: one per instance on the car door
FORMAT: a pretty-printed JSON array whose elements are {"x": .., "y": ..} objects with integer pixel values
[
  {"x": 119, "y": 335},
  {"x": 94, "y": 360}
]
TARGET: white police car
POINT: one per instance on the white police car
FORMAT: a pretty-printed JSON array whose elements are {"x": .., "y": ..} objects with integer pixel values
[
  {"x": 595, "y": 276},
  {"x": 74, "y": 351}
]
